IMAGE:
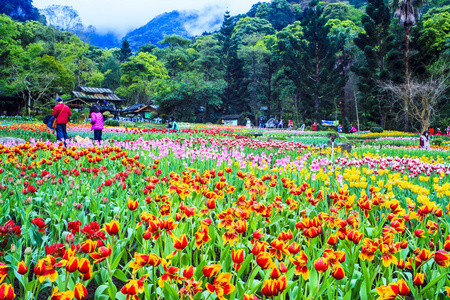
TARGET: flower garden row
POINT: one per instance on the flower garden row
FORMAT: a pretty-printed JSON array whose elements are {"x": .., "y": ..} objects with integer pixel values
[{"x": 207, "y": 214}]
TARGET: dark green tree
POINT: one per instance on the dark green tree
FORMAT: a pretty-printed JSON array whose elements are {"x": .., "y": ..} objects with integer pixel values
[
  {"x": 318, "y": 60},
  {"x": 229, "y": 54},
  {"x": 281, "y": 14},
  {"x": 125, "y": 51},
  {"x": 377, "y": 44},
  {"x": 111, "y": 72}
]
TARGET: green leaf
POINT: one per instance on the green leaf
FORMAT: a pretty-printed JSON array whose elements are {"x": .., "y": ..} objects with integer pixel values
[
  {"x": 432, "y": 283},
  {"x": 120, "y": 275},
  {"x": 99, "y": 292}
]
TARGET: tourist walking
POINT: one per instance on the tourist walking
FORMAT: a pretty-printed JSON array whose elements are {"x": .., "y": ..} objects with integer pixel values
[
  {"x": 314, "y": 126},
  {"x": 425, "y": 141},
  {"x": 290, "y": 124},
  {"x": 62, "y": 114},
  {"x": 261, "y": 122},
  {"x": 447, "y": 131},
  {"x": 96, "y": 123},
  {"x": 280, "y": 125},
  {"x": 339, "y": 128}
]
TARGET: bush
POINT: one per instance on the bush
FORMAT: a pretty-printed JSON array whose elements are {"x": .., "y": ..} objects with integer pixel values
[
  {"x": 114, "y": 123},
  {"x": 376, "y": 129},
  {"x": 108, "y": 115},
  {"x": 437, "y": 142}
]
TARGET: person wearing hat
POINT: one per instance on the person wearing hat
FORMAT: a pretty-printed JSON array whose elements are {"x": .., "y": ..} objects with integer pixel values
[{"x": 62, "y": 113}]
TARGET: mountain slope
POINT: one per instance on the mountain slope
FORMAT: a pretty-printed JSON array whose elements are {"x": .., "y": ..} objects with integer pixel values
[{"x": 182, "y": 23}]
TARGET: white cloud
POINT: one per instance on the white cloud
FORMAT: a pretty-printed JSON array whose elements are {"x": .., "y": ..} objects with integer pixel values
[{"x": 122, "y": 16}]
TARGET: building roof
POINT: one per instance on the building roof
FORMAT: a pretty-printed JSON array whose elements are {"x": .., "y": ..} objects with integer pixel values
[
  {"x": 95, "y": 97},
  {"x": 231, "y": 117},
  {"x": 137, "y": 107},
  {"x": 11, "y": 98},
  {"x": 95, "y": 90},
  {"x": 92, "y": 94}
]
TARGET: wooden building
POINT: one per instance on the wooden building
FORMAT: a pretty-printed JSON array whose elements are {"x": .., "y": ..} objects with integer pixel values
[
  {"x": 104, "y": 98},
  {"x": 233, "y": 120},
  {"x": 140, "y": 109},
  {"x": 11, "y": 105}
]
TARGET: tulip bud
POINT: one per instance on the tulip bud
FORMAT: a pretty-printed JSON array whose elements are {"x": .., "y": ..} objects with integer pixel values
[
  {"x": 27, "y": 251},
  {"x": 13, "y": 248}
]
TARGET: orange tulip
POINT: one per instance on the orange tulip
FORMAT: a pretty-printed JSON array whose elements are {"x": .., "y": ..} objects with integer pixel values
[
  {"x": 338, "y": 273},
  {"x": 72, "y": 265},
  {"x": 221, "y": 286},
  {"x": 3, "y": 271},
  {"x": 102, "y": 254},
  {"x": 300, "y": 263},
  {"x": 112, "y": 228},
  {"x": 22, "y": 268},
  {"x": 68, "y": 295},
  {"x": 6, "y": 292},
  {"x": 80, "y": 291},
  {"x": 274, "y": 287},
  {"x": 447, "y": 243},
  {"x": 84, "y": 266},
  {"x": 442, "y": 258},
  {"x": 211, "y": 270},
  {"x": 132, "y": 205},
  {"x": 419, "y": 233},
  {"x": 237, "y": 257},
  {"x": 180, "y": 243},
  {"x": 321, "y": 264},
  {"x": 275, "y": 273},
  {"x": 419, "y": 279},
  {"x": 143, "y": 260},
  {"x": 88, "y": 246},
  {"x": 264, "y": 261},
  {"x": 403, "y": 288},
  {"x": 188, "y": 272},
  {"x": 250, "y": 297}
]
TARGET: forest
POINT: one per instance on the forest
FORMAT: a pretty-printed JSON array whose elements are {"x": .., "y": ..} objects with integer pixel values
[{"x": 381, "y": 64}]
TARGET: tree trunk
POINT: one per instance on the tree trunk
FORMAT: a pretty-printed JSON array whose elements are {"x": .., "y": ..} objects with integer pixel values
[
  {"x": 343, "y": 98},
  {"x": 269, "y": 92},
  {"x": 406, "y": 119},
  {"x": 316, "y": 96}
]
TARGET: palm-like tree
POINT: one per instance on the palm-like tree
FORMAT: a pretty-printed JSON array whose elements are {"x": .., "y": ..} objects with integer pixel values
[{"x": 406, "y": 12}]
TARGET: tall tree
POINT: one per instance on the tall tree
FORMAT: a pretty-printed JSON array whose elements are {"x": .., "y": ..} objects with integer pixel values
[
  {"x": 228, "y": 53},
  {"x": 377, "y": 45},
  {"x": 318, "y": 60},
  {"x": 125, "y": 51},
  {"x": 406, "y": 12},
  {"x": 288, "y": 79},
  {"x": 342, "y": 34}
]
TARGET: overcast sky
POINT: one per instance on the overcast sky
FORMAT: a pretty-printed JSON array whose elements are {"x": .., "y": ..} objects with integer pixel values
[{"x": 122, "y": 16}]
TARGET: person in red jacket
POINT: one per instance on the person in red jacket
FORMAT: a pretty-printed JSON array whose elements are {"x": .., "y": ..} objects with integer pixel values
[{"x": 62, "y": 113}]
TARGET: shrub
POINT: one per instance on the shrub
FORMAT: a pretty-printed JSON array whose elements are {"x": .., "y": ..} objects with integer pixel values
[
  {"x": 376, "y": 129},
  {"x": 437, "y": 142},
  {"x": 114, "y": 123}
]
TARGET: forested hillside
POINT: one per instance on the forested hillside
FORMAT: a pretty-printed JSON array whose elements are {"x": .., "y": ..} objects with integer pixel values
[{"x": 291, "y": 60}]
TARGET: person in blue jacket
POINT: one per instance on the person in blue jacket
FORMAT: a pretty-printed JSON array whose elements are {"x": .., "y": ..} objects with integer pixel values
[{"x": 48, "y": 120}]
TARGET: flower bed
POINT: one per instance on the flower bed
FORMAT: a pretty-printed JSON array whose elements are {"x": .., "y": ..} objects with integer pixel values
[{"x": 207, "y": 214}]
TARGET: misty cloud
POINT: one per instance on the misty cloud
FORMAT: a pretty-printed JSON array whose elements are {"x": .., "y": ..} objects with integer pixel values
[{"x": 123, "y": 16}]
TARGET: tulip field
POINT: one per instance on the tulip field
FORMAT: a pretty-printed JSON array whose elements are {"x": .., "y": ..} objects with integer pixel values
[{"x": 216, "y": 213}]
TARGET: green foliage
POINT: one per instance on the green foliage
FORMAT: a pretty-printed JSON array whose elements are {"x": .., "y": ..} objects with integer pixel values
[
  {"x": 376, "y": 129},
  {"x": 437, "y": 141},
  {"x": 137, "y": 73},
  {"x": 114, "y": 123},
  {"x": 125, "y": 51}
]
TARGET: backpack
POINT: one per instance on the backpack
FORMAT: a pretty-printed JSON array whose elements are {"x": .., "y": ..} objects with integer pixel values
[
  {"x": 422, "y": 142},
  {"x": 46, "y": 119}
]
